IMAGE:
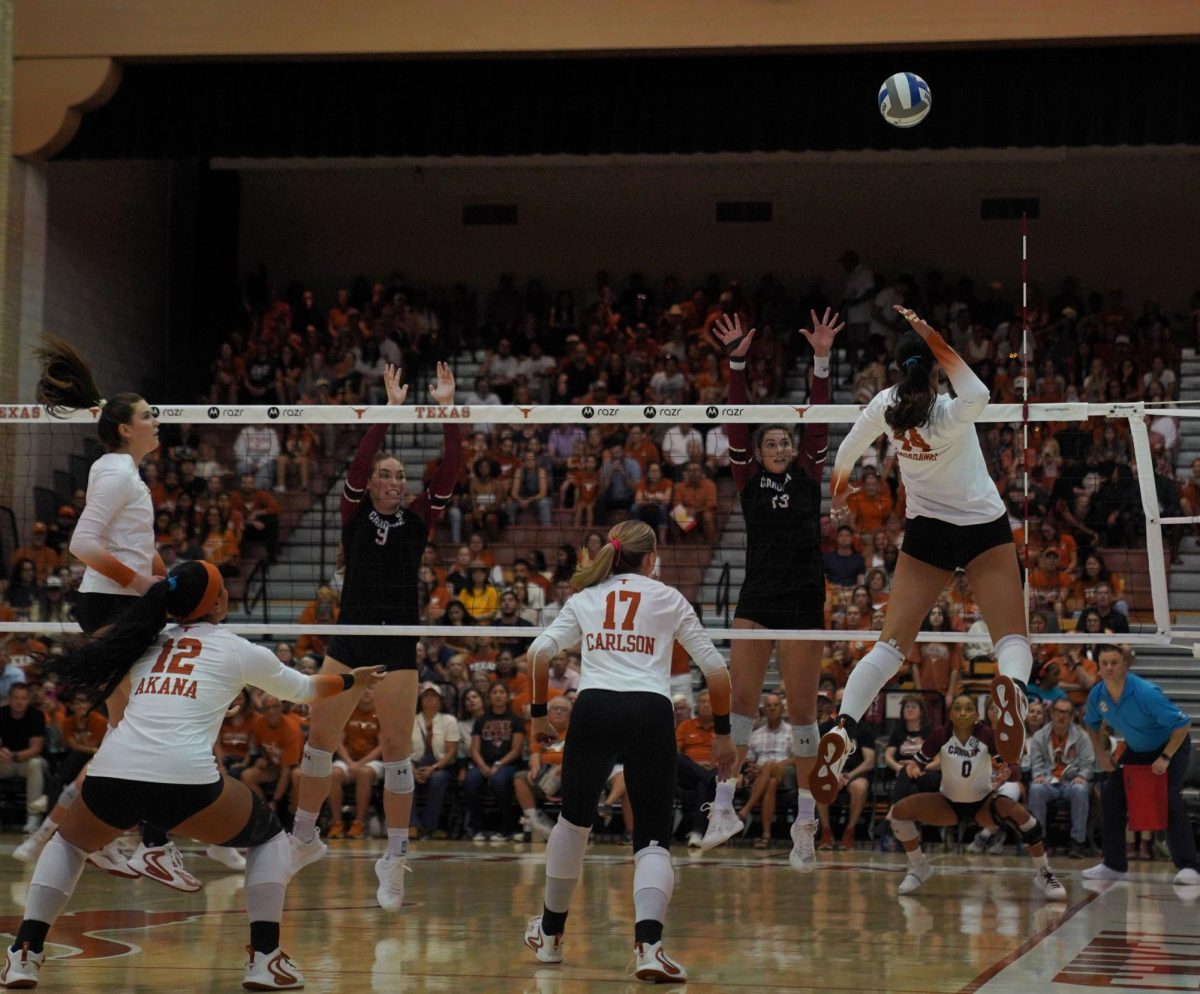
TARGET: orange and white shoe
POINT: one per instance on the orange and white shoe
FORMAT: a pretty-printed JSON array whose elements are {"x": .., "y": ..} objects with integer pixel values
[
  {"x": 356, "y": 830},
  {"x": 271, "y": 971},
  {"x": 112, "y": 860},
  {"x": 654, "y": 965},
  {"x": 546, "y": 948},
  {"x": 833, "y": 750},
  {"x": 336, "y": 830},
  {"x": 1008, "y": 720},
  {"x": 21, "y": 968},
  {"x": 164, "y": 864}
]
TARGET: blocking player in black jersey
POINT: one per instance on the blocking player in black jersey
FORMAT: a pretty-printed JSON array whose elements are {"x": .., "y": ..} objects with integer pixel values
[
  {"x": 785, "y": 581},
  {"x": 383, "y": 544}
]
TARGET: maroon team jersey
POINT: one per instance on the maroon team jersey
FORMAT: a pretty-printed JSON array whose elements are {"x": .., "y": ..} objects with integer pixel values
[{"x": 382, "y": 551}]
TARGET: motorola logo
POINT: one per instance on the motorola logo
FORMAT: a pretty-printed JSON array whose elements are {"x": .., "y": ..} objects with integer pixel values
[
  {"x": 214, "y": 413},
  {"x": 272, "y": 413},
  {"x": 589, "y": 412},
  {"x": 711, "y": 412},
  {"x": 648, "y": 412}
]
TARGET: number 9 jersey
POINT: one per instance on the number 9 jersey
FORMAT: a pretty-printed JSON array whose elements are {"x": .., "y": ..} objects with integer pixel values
[{"x": 626, "y": 627}]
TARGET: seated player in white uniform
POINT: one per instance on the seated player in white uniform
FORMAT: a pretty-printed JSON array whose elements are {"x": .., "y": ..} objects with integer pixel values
[
  {"x": 179, "y": 681},
  {"x": 966, "y": 747}
]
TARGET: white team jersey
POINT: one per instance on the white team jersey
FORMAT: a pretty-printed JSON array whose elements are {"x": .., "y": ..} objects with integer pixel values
[
  {"x": 626, "y": 628},
  {"x": 118, "y": 518},
  {"x": 941, "y": 464},
  {"x": 179, "y": 692},
  {"x": 966, "y": 766}
]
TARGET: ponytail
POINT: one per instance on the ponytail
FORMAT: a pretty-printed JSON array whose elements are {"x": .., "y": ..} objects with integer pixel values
[
  {"x": 914, "y": 396},
  {"x": 96, "y": 668},
  {"x": 626, "y": 549},
  {"x": 66, "y": 385}
]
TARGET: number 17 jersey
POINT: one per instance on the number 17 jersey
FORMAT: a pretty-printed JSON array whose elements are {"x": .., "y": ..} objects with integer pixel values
[{"x": 626, "y": 627}]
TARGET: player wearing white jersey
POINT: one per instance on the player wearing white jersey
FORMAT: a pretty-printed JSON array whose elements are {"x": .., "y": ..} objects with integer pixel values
[
  {"x": 114, "y": 539},
  {"x": 159, "y": 760},
  {"x": 965, "y": 747},
  {"x": 626, "y": 624},
  {"x": 955, "y": 520}
]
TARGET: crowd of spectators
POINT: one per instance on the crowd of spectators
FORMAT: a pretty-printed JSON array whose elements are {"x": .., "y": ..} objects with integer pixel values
[{"x": 642, "y": 345}]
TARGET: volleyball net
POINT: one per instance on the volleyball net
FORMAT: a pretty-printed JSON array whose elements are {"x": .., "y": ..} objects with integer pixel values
[{"x": 297, "y": 457}]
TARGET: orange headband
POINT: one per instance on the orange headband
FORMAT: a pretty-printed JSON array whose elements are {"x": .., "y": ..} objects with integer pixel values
[{"x": 211, "y": 592}]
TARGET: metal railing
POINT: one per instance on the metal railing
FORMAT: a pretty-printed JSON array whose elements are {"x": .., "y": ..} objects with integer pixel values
[
  {"x": 723, "y": 592},
  {"x": 252, "y": 597}
]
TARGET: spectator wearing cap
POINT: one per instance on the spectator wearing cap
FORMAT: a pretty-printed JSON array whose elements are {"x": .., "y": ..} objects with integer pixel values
[
  {"x": 1156, "y": 734},
  {"x": 45, "y": 560},
  {"x": 58, "y": 536},
  {"x": 52, "y": 605},
  {"x": 1061, "y": 761},
  {"x": 434, "y": 753}
]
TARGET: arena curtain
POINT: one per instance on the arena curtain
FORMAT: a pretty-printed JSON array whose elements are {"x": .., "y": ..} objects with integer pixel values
[{"x": 1110, "y": 95}]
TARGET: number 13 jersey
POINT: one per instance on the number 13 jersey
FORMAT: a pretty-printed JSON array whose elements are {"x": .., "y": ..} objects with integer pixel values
[{"x": 626, "y": 627}]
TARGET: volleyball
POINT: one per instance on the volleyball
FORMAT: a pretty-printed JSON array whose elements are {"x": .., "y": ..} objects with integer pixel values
[{"x": 904, "y": 100}]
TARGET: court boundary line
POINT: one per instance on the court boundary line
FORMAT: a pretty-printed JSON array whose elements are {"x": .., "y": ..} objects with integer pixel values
[{"x": 1025, "y": 947}]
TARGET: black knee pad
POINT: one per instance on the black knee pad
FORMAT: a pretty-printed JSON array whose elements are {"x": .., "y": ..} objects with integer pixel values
[
  {"x": 262, "y": 826},
  {"x": 1034, "y": 835}
]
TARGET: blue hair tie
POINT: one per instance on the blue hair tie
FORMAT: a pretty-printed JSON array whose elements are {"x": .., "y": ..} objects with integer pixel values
[
  {"x": 172, "y": 583},
  {"x": 910, "y": 360}
]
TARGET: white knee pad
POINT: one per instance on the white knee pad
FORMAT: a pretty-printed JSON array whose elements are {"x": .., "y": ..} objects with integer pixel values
[
  {"x": 805, "y": 739},
  {"x": 270, "y": 863},
  {"x": 58, "y": 868},
  {"x": 740, "y": 727},
  {"x": 1014, "y": 658},
  {"x": 904, "y": 830},
  {"x": 398, "y": 777},
  {"x": 68, "y": 795},
  {"x": 316, "y": 762},
  {"x": 653, "y": 883},
  {"x": 565, "y": 849}
]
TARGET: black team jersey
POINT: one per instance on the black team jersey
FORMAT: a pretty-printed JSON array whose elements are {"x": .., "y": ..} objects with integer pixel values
[
  {"x": 382, "y": 551},
  {"x": 782, "y": 511}
]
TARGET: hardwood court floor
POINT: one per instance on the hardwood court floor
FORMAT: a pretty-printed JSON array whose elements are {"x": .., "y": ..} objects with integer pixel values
[{"x": 741, "y": 920}]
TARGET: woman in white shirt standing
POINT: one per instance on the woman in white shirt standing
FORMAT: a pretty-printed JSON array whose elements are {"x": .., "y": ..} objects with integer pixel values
[
  {"x": 627, "y": 624},
  {"x": 434, "y": 753},
  {"x": 179, "y": 682},
  {"x": 114, "y": 539},
  {"x": 955, "y": 519}
]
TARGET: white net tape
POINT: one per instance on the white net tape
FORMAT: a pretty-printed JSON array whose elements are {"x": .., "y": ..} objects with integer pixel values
[{"x": 1159, "y": 633}]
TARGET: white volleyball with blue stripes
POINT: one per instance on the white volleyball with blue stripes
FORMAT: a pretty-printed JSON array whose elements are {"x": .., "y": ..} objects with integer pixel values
[{"x": 904, "y": 99}]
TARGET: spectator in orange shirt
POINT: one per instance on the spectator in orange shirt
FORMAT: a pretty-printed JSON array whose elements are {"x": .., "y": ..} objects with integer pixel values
[
  {"x": 871, "y": 506},
  {"x": 694, "y": 767},
  {"x": 643, "y": 449},
  {"x": 278, "y": 742},
  {"x": 652, "y": 502},
  {"x": 219, "y": 542},
  {"x": 1050, "y": 585},
  {"x": 323, "y": 610},
  {"x": 45, "y": 560},
  {"x": 233, "y": 741},
  {"x": 359, "y": 761},
  {"x": 82, "y": 730},
  {"x": 260, "y": 511},
  {"x": 1052, "y": 537},
  {"x": 586, "y": 484},
  {"x": 543, "y": 779},
  {"x": 698, "y": 497},
  {"x": 438, "y": 594}
]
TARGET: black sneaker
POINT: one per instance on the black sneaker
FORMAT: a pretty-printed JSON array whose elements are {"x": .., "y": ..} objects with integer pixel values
[{"x": 1075, "y": 850}]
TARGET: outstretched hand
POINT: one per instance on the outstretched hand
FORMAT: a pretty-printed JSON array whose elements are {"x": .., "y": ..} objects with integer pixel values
[
  {"x": 443, "y": 391},
  {"x": 922, "y": 328},
  {"x": 396, "y": 392},
  {"x": 728, "y": 331},
  {"x": 824, "y": 331}
]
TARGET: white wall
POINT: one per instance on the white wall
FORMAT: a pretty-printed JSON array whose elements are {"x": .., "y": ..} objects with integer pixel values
[{"x": 1112, "y": 217}]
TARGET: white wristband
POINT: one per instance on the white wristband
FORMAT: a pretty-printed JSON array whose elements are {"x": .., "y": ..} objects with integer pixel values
[
  {"x": 738, "y": 364},
  {"x": 821, "y": 366}
]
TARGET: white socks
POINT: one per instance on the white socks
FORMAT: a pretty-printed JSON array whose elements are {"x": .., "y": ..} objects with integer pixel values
[
  {"x": 304, "y": 826},
  {"x": 806, "y": 809},
  {"x": 397, "y": 841},
  {"x": 724, "y": 798}
]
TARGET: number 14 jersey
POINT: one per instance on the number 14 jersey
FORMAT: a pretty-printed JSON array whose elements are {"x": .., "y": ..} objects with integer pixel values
[{"x": 626, "y": 627}]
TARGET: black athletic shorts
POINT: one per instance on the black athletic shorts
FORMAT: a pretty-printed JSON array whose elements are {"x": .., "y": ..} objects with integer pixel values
[
  {"x": 95, "y": 610},
  {"x": 392, "y": 652},
  {"x": 952, "y": 547},
  {"x": 967, "y": 810},
  {"x": 125, "y": 803},
  {"x": 784, "y": 609}
]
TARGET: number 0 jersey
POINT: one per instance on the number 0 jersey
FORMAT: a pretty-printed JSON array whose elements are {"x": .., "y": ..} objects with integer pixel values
[
  {"x": 179, "y": 692},
  {"x": 966, "y": 766},
  {"x": 626, "y": 627}
]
